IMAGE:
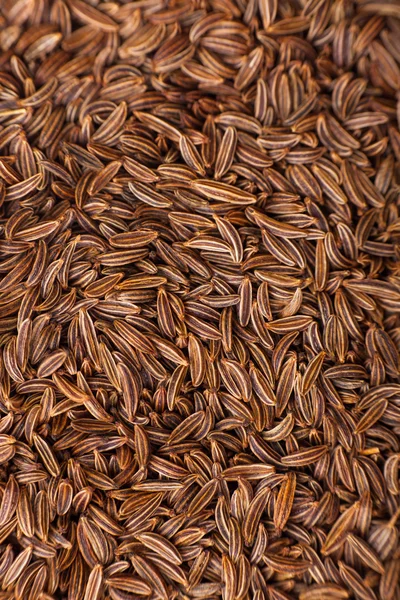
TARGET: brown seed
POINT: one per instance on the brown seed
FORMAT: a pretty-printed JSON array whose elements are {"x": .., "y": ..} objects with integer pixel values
[
  {"x": 312, "y": 372},
  {"x": 226, "y": 152},
  {"x": 286, "y": 565},
  {"x": 284, "y": 501},
  {"x": 337, "y": 534},
  {"x": 222, "y": 192},
  {"x": 253, "y": 515},
  {"x": 93, "y": 586},
  {"x": 9, "y": 501},
  {"x": 47, "y": 455}
]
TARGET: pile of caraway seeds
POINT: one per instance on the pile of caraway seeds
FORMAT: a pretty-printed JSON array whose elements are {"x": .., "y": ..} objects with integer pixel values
[{"x": 199, "y": 299}]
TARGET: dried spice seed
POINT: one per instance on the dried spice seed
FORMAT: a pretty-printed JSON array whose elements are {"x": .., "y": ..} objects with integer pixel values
[{"x": 199, "y": 299}]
